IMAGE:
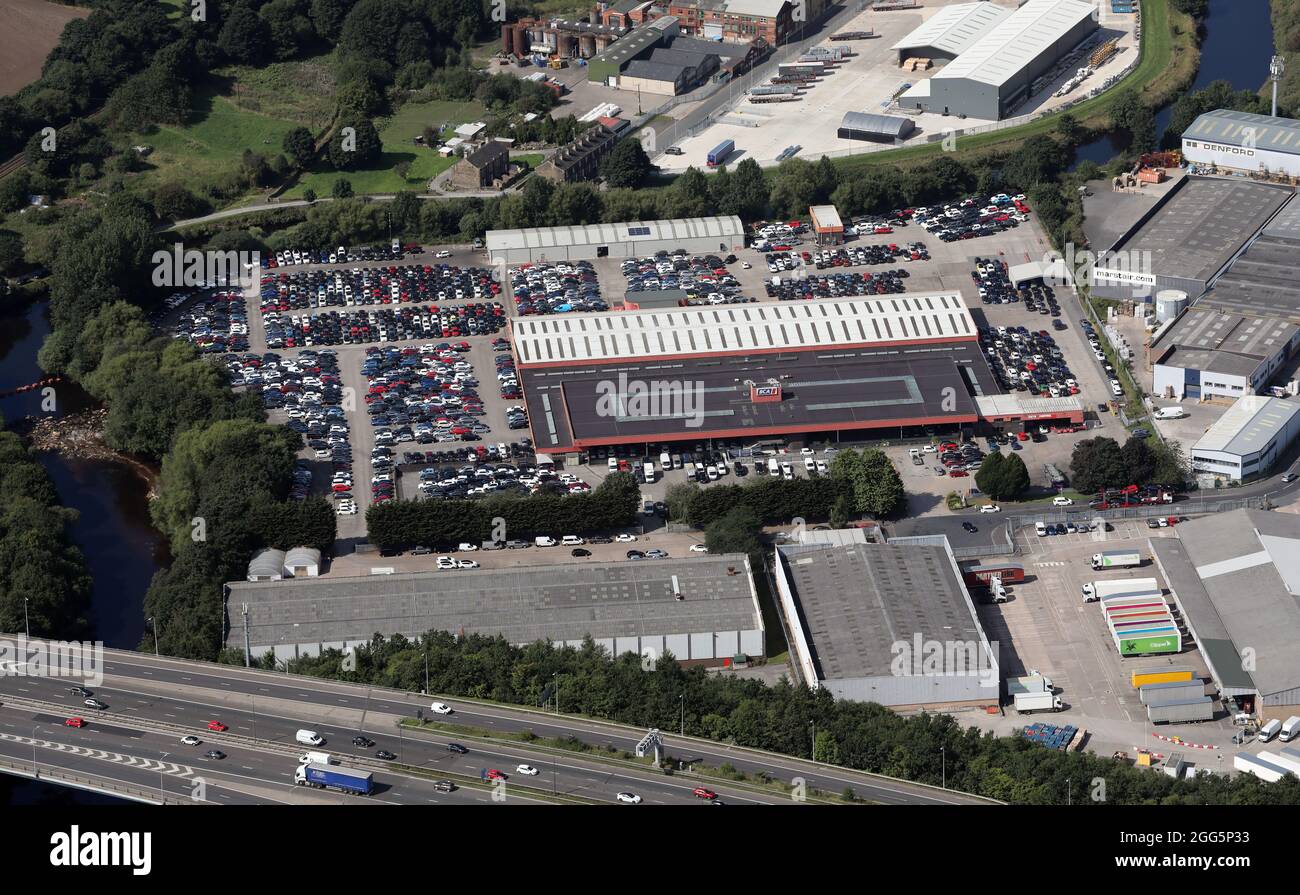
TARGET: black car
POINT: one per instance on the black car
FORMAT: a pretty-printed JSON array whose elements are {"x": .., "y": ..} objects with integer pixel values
[
  {"x": 81, "y": 691},
  {"x": 366, "y": 742},
  {"x": 457, "y": 748},
  {"x": 579, "y": 551},
  {"x": 214, "y": 754},
  {"x": 385, "y": 755},
  {"x": 969, "y": 527},
  {"x": 444, "y": 786},
  {"x": 635, "y": 554},
  {"x": 1060, "y": 528}
]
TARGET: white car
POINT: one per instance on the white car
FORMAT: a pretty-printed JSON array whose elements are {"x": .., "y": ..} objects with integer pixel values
[
  {"x": 191, "y": 741},
  {"x": 990, "y": 508},
  {"x": 809, "y": 464},
  {"x": 631, "y": 798},
  {"x": 822, "y": 467},
  {"x": 699, "y": 548},
  {"x": 446, "y": 562},
  {"x": 466, "y": 548},
  {"x": 442, "y": 254},
  {"x": 440, "y": 708},
  {"x": 466, "y": 564},
  {"x": 1062, "y": 502},
  {"x": 527, "y": 770},
  {"x": 624, "y": 538},
  {"x": 807, "y": 452}
]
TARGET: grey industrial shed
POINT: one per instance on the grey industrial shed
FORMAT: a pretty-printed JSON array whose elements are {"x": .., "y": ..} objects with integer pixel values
[
  {"x": 634, "y": 239},
  {"x": 268, "y": 565},
  {"x": 876, "y": 128}
]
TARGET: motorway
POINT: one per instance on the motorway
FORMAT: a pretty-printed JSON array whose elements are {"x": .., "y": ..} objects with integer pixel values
[{"x": 153, "y": 702}]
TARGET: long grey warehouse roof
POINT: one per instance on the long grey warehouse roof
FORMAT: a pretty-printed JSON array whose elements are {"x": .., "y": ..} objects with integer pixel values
[
  {"x": 858, "y": 600},
  {"x": 1238, "y": 128},
  {"x": 524, "y": 604},
  {"x": 1017, "y": 41},
  {"x": 634, "y": 335},
  {"x": 954, "y": 28},
  {"x": 654, "y": 71},
  {"x": 1236, "y": 577},
  {"x": 1248, "y": 425},
  {"x": 721, "y": 227},
  {"x": 885, "y": 125}
]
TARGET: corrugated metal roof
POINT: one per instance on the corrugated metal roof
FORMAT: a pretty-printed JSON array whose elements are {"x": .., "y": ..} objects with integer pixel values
[
  {"x": 763, "y": 8},
  {"x": 1017, "y": 40},
  {"x": 654, "y": 71},
  {"x": 1239, "y": 128},
  {"x": 632, "y": 335},
  {"x": 884, "y": 125},
  {"x": 1015, "y": 405},
  {"x": 1248, "y": 425},
  {"x": 722, "y": 227},
  {"x": 954, "y": 28},
  {"x": 826, "y": 216}
]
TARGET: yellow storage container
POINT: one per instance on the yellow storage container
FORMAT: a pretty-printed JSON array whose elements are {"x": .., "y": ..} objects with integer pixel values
[{"x": 1143, "y": 676}]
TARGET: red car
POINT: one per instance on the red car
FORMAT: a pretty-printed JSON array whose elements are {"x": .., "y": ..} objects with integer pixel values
[
  {"x": 494, "y": 774},
  {"x": 74, "y": 722},
  {"x": 217, "y": 726},
  {"x": 701, "y": 793},
  {"x": 958, "y": 473}
]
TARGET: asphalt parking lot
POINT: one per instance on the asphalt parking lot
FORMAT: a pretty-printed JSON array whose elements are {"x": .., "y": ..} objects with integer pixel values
[{"x": 1047, "y": 627}]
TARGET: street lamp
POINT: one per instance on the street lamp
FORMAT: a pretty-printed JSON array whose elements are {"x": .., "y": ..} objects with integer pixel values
[
  {"x": 682, "y": 700},
  {"x": 555, "y": 679},
  {"x": 813, "y": 725},
  {"x": 943, "y": 765},
  {"x": 27, "y": 626},
  {"x": 154, "y": 625},
  {"x": 36, "y": 769}
]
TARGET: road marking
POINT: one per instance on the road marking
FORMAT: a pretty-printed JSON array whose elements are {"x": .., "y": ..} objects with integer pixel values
[
  {"x": 1044, "y": 565},
  {"x": 166, "y": 767}
]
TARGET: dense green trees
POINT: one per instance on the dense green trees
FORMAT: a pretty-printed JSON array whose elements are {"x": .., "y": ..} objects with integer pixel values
[
  {"x": 781, "y": 717},
  {"x": 627, "y": 165},
  {"x": 299, "y": 145},
  {"x": 1099, "y": 463},
  {"x": 736, "y": 532},
  {"x": 41, "y": 570},
  {"x": 877, "y": 489},
  {"x": 1002, "y": 477}
]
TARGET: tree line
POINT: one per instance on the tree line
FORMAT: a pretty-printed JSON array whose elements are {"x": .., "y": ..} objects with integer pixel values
[
  {"x": 926, "y": 748},
  {"x": 1100, "y": 463},
  {"x": 444, "y": 523}
]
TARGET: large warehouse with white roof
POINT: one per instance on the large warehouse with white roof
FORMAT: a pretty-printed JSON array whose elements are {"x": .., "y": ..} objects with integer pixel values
[
  {"x": 632, "y": 239},
  {"x": 1229, "y": 141},
  {"x": 993, "y": 71}
]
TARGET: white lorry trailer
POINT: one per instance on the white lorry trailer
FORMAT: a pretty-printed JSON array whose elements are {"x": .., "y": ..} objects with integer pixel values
[
  {"x": 1026, "y": 703},
  {"x": 1116, "y": 559}
]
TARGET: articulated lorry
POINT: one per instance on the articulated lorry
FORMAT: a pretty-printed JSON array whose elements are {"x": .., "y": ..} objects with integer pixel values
[
  {"x": 1262, "y": 768},
  {"x": 1171, "y": 691},
  {"x": 321, "y": 776},
  {"x": 1181, "y": 711},
  {"x": 1120, "y": 589},
  {"x": 1030, "y": 683},
  {"x": 1116, "y": 559},
  {"x": 1160, "y": 674}
]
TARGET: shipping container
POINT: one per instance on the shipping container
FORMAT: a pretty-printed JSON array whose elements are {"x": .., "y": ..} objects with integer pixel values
[
  {"x": 1261, "y": 768},
  {"x": 1009, "y": 572},
  {"x": 1163, "y": 674},
  {"x": 718, "y": 154},
  {"x": 1181, "y": 711},
  {"x": 1286, "y": 762},
  {"x": 1171, "y": 691}
]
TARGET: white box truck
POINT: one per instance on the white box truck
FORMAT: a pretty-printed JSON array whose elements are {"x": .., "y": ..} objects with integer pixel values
[
  {"x": 1030, "y": 683},
  {"x": 316, "y": 758},
  {"x": 1290, "y": 729},
  {"x": 1037, "y": 702},
  {"x": 1116, "y": 559}
]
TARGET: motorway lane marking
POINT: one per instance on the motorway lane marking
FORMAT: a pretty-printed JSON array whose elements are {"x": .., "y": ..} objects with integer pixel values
[{"x": 147, "y": 764}]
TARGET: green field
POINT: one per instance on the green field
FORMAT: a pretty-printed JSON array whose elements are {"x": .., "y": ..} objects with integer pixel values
[{"x": 398, "y": 137}]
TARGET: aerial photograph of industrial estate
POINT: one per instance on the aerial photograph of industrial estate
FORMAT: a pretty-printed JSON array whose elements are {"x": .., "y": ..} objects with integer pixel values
[{"x": 650, "y": 402}]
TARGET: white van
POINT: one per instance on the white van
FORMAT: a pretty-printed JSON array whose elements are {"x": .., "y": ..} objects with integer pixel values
[
  {"x": 666, "y": 461},
  {"x": 572, "y": 541},
  {"x": 1170, "y": 413},
  {"x": 649, "y": 470},
  {"x": 773, "y": 468},
  {"x": 309, "y": 738},
  {"x": 316, "y": 758},
  {"x": 1270, "y": 730},
  {"x": 1290, "y": 729},
  {"x": 544, "y": 541}
]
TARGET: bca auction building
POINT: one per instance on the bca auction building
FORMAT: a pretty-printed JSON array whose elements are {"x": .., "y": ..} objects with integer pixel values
[{"x": 1239, "y": 141}]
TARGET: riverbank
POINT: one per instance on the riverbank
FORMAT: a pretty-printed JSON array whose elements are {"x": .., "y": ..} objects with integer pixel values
[{"x": 80, "y": 436}]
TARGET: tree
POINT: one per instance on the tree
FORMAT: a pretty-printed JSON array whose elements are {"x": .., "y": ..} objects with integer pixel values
[
  {"x": 875, "y": 485},
  {"x": 1097, "y": 464},
  {"x": 1015, "y": 477},
  {"x": 627, "y": 165},
  {"x": 355, "y": 145},
  {"x": 243, "y": 37},
  {"x": 825, "y": 749},
  {"x": 736, "y": 532},
  {"x": 309, "y": 195},
  {"x": 1002, "y": 477},
  {"x": 11, "y": 251},
  {"x": 299, "y": 145},
  {"x": 342, "y": 189},
  {"x": 988, "y": 478},
  {"x": 1139, "y": 461}
]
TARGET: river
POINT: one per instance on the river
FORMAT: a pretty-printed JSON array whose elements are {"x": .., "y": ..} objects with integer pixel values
[
  {"x": 122, "y": 548},
  {"x": 1237, "y": 46}
]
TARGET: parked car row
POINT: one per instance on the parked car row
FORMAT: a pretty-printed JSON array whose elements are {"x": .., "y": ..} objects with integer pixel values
[
  {"x": 878, "y": 253},
  {"x": 515, "y": 450},
  {"x": 880, "y": 282},
  {"x": 478, "y": 479},
  {"x": 384, "y": 325},
  {"x": 441, "y": 283},
  {"x": 973, "y": 217},
  {"x": 339, "y": 255},
  {"x": 1022, "y": 360},
  {"x": 1094, "y": 342},
  {"x": 701, "y": 275},
  {"x": 425, "y": 395},
  {"x": 545, "y": 288},
  {"x": 217, "y": 324},
  {"x": 508, "y": 382}
]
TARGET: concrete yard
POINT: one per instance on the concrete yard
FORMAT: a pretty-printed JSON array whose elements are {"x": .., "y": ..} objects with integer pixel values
[{"x": 867, "y": 82}]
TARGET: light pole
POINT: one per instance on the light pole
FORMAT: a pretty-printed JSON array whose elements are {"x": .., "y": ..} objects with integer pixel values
[
  {"x": 555, "y": 679},
  {"x": 426, "y": 669},
  {"x": 813, "y": 725},
  {"x": 682, "y": 700},
  {"x": 27, "y": 625},
  {"x": 154, "y": 625},
  {"x": 943, "y": 765},
  {"x": 36, "y": 769}
]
